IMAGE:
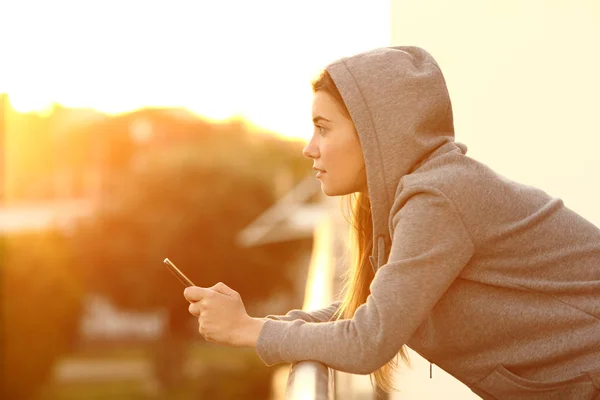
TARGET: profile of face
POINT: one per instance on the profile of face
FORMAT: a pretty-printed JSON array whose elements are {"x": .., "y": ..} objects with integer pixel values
[{"x": 335, "y": 149}]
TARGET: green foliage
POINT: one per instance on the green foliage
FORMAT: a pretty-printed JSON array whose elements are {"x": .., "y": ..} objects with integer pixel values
[
  {"x": 41, "y": 308},
  {"x": 187, "y": 203}
]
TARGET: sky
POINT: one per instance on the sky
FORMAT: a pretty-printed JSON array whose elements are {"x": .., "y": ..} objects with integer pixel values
[{"x": 220, "y": 59}]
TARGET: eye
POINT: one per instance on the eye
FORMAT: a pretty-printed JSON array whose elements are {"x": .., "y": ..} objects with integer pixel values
[{"x": 320, "y": 129}]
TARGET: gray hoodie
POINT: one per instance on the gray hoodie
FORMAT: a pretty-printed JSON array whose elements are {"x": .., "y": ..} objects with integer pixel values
[{"x": 494, "y": 281}]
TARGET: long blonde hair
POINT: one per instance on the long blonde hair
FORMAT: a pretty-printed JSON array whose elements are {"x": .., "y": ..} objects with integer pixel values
[{"x": 358, "y": 278}]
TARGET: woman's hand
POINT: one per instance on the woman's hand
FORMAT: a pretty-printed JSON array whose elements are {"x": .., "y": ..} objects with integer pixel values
[{"x": 222, "y": 317}]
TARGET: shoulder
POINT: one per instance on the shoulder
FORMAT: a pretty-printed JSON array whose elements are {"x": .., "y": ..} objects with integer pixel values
[{"x": 455, "y": 177}]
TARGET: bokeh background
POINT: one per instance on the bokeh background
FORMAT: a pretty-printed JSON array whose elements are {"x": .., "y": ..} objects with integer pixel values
[{"x": 132, "y": 131}]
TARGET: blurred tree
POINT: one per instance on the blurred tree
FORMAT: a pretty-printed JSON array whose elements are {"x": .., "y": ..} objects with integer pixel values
[
  {"x": 41, "y": 309},
  {"x": 188, "y": 203},
  {"x": 190, "y": 209}
]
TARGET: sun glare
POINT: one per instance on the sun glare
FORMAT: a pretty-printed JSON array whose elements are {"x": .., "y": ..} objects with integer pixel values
[{"x": 217, "y": 59}]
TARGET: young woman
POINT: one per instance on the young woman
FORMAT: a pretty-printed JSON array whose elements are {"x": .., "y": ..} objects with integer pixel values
[{"x": 496, "y": 282}]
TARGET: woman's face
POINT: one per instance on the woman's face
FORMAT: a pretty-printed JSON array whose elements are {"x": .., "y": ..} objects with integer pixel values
[{"x": 335, "y": 148}]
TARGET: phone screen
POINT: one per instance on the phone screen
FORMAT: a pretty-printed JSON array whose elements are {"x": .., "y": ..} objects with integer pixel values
[{"x": 180, "y": 275}]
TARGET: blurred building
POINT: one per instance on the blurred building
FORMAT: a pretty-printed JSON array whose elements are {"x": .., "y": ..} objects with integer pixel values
[
  {"x": 102, "y": 321},
  {"x": 294, "y": 216}
]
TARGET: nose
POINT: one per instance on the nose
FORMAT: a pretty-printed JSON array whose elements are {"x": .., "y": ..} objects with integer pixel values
[{"x": 311, "y": 150}]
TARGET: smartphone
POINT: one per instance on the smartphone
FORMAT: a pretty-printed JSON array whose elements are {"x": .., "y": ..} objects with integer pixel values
[{"x": 182, "y": 278}]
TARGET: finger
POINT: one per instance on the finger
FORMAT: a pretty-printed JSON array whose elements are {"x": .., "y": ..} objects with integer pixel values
[
  {"x": 202, "y": 329},
  {"x": 195, "y": 308},
  {"x": 195, "y": 293},
  {"x": 223, "y": 289}
]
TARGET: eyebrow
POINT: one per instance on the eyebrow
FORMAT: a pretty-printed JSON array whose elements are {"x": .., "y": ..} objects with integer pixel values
[{"x": 319, "y": 118}]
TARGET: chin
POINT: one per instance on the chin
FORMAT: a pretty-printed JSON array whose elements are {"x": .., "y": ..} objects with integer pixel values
[{"x": 333, "y": 192}]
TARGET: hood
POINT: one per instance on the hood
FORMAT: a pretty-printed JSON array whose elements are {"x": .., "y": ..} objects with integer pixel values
[{"x": 399, "y": 103}]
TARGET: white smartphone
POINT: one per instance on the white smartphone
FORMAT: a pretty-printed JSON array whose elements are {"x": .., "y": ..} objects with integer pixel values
[{"x": 180, "y": 275}]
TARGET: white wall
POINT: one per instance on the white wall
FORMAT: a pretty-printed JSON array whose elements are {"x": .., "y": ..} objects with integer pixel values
[{"x": 524, "y": 79}]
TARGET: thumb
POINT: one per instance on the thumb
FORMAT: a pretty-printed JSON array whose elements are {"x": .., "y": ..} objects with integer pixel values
[{"x": 223, "y": 289}]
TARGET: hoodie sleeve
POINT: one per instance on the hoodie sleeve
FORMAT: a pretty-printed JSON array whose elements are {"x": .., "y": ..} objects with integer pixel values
[
  {"x": 321, "y": 315},
  {"x": 430, "y": 247}
]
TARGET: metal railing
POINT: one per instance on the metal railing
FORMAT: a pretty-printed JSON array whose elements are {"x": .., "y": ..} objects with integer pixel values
[{"x": 309, "y": 380}]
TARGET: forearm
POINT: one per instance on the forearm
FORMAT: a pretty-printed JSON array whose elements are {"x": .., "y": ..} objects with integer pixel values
[
  {"x": 250, "y": 330},
  {"x": 321, "y": 315}
]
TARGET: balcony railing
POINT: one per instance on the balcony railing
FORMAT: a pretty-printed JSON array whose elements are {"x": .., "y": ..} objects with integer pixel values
[
  {"x": 290, "y": 217},
  {"x": 310, "y": 380}
]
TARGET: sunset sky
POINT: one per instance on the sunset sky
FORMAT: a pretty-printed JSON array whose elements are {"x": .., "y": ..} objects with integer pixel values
[{"x": 220, "y": 59}]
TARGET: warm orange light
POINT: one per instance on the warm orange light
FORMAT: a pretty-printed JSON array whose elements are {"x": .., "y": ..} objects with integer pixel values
[{"x": 218, "y": 59}]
